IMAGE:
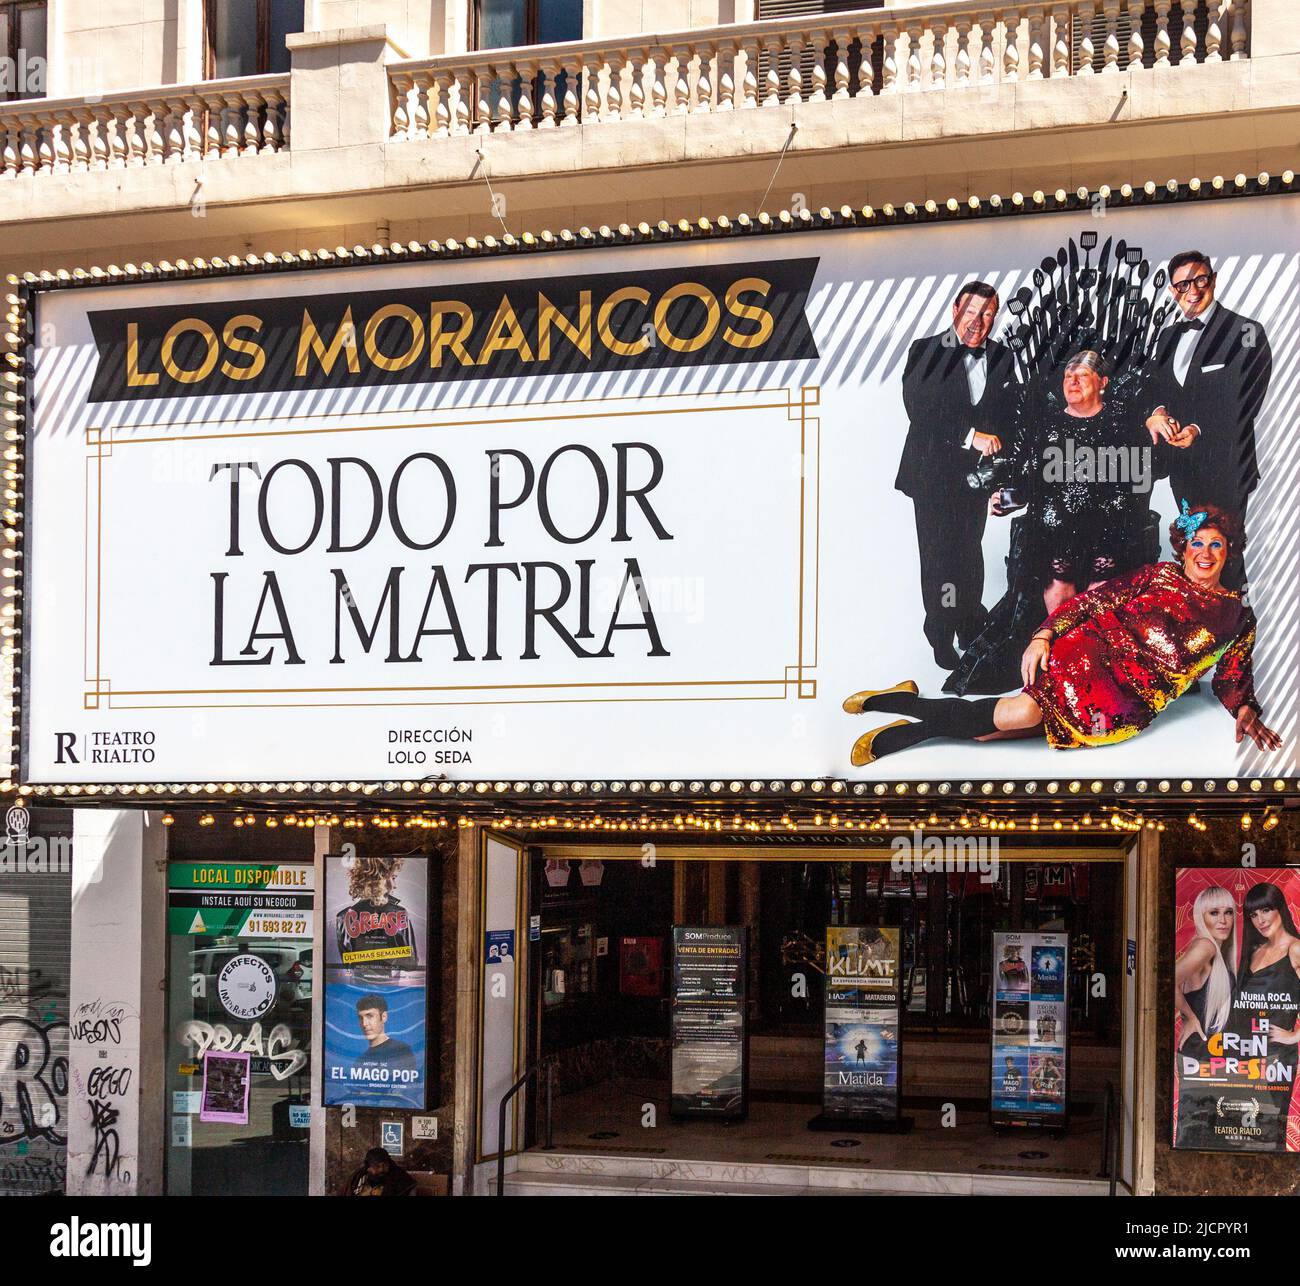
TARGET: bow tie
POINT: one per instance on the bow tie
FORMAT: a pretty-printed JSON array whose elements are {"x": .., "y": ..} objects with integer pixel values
[
  {"x": 1194, "y": 323},
  {"x": 974, "y": 352}
]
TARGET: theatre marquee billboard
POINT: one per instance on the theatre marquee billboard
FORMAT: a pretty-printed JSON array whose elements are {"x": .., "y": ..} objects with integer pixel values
[{"x": 669, "y": 511}]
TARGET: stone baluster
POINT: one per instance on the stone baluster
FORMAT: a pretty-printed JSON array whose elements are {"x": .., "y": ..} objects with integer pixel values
[
  {"x": 591, "y": 64},
  {"x": 503, "y": 77},
  {"x": 483, "y": 101},
  {"x": 137, "y": 135},
  {"x": 401, "y": 127},
  {"x": 273, "y": 136},
  {"x": 230, "y": 127},
  {"x": 426, "y": 93},
  {"x": 59, "y": 129},
  {"x": 681, "y": 80},
  {"x": 169, "y": 131},
  {"x": 9, "y": 150},
  {"x": 772, "y": 80},
  {"x": 656, "y": 62},
  {"x": 547, "y": 73},
  {"x": 45, "y": 145},
  {"x": 938, "y": 53},
  {"x": 1061, "y": 40},
  {"x": 889, "y": 59},
  {"x": 843, "y": 38},
  {"x": 1110, "y": 64},
  {"x": 913, "y": 56},
  {"x": 1162, "y": 45},
  {"x": 703, "y": 81},
  {"x": 177, "y": 132},
  {"x": 749, "y": 46},
  {"x": 1036, "y": 53},
  {"x": 613, "y": 109},
  {"x": 1136, "y": 45},
  {"x": 157, "y": 136},
  {"x": 727, "y": 76},
  {"x": 1011, "y": 49},
  {"x": 1087, "y": 15},
  {"x": 119, "y": 143},
  {"x": 439, "y": 115},
  {"x": 464, "y": 101},
  {"x": 191, "y": 122},
  {"x": 29, "y": 160},
  {"x": 252, "y": 123},
  {"x": 97, "y": 131},
  {"x": 821, "y": 44},
  {"x": 1187, "y": 41},
  {"x": 1215, "y": 11},
  {"x": 865, "y": 81},
  {"x": 82, "y": 126},
  {"x": 795, "y": 81},
  {"x": 988, "y": 62},
  {"x": 527, "y": 73},
  {"x": 1239, "y": 29},
  {"x": 636, "y": 63},
  {"x": 961, "y": 62},
  {"x": 212, "y": 107}
]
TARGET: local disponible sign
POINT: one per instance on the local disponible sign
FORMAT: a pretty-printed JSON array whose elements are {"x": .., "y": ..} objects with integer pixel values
[{"x": 416, "y": 520}]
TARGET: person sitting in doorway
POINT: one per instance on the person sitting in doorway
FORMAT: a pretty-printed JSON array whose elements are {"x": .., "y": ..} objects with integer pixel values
[{"x": 379, "y": 1176}]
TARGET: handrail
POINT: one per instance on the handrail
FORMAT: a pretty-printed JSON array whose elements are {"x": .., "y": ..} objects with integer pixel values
[
  {"x": 529, "y": 1072},
  {"x": 147, "y": 94}
]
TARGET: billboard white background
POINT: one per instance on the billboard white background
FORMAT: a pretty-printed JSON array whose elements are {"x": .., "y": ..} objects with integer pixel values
[{"x": 792, "y": 556}]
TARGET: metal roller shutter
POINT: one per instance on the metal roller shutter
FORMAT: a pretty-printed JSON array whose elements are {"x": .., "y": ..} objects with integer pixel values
[{"x": 35, "y": 934}]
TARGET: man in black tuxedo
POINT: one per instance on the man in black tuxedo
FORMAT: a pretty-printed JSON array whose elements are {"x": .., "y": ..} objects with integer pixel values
[
  {"x": 1206, "y": 382},
  {"x": 959, "y": 388}
]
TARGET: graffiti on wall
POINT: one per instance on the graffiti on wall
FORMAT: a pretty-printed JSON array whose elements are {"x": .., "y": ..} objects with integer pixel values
[
  {"x": 105, "y": 1039},
  {"x": 33, "y": 1080}
]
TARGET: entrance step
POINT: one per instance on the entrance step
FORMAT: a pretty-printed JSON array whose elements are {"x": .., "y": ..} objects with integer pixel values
[{"x": 582, "y": 1174}]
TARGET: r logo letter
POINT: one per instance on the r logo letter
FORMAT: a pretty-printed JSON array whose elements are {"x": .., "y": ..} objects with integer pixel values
[{"x": 65, "y": 743}]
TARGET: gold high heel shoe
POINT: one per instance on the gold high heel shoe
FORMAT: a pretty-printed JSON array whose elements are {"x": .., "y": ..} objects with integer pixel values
[
  {"x": 862, "y": 754},
  {"x": 855, "y": 703}
]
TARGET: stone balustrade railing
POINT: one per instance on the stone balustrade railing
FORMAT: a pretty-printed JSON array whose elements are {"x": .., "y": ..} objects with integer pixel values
[
  {"x": 779, "y": 62},
  {"x": 221, "y": 118}
]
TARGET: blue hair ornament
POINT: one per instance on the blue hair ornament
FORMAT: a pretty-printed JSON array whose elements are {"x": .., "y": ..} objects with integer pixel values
[{"x": 1189, "y": 523}]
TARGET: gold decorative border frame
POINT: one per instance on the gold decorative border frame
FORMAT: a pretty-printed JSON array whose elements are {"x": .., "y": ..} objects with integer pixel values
[{"x": 795, "y": 680}]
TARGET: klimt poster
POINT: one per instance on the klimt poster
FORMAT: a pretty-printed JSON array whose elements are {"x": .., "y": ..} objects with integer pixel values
[{"x": 862, "y": 1023}]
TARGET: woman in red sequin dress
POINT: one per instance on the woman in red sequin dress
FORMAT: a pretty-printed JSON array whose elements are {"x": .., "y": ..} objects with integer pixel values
[{"x": 1107, "y": 661}]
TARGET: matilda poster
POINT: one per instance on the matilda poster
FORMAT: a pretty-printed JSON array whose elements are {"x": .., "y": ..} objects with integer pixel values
[
  {"x": 1235, "y": 1001},
  {"x": 862, "y": 1023},
  {"x": 1030, "y": 1028},
  {"x": 376, "y": 994}
]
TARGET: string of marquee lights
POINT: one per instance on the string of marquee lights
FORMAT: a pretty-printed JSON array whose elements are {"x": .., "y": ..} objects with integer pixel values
[
  {"x": 17, "y": 336},
  {"x": 1108, "y": 818}
]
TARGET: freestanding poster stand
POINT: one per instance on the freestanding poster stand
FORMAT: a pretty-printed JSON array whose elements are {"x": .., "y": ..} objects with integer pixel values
[
  {"x": 710, "y": 1059},
  {"x": 862, "y": 1064},
  {"x": 1031, "y": 1029}
]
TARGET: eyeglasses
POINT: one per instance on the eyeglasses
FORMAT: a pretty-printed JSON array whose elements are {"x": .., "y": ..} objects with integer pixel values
[{"x": 1200, "y": 281}]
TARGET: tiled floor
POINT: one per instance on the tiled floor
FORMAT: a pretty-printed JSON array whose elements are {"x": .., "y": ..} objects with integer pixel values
[{"x": 620, "y": 1134}]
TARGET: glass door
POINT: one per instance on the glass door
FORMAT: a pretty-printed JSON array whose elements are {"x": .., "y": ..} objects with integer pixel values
[{"x": 239, "y": 1028}]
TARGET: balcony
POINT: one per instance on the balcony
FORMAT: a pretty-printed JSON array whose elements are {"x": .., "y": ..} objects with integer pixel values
[
  {"x": 777, "y": 65},
  {"x": 910, "y": 101},
  {"x": 224, "y": 118}
]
